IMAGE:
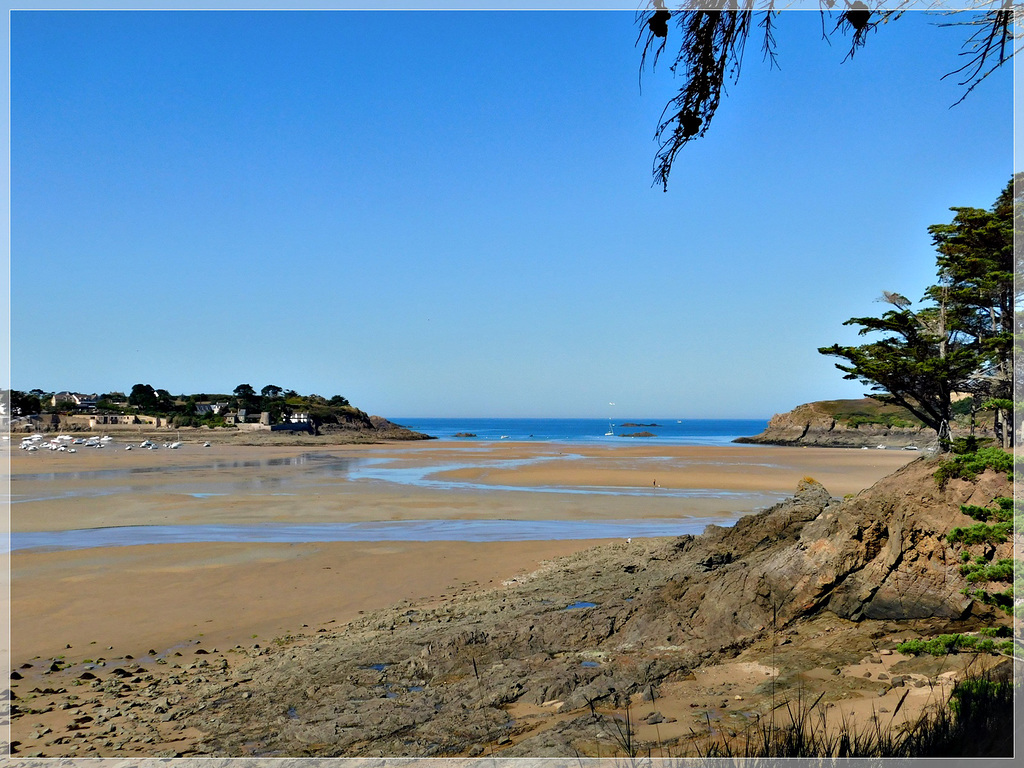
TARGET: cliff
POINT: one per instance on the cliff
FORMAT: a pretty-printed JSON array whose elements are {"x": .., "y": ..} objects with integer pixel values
[{"x": 845, "y": 424}]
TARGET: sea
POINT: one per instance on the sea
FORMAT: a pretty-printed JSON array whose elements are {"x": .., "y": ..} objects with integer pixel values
[{"x": 673, "y": 431}]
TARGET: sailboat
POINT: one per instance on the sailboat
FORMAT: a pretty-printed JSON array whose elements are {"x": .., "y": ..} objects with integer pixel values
[{"x": 611, "y": 431}]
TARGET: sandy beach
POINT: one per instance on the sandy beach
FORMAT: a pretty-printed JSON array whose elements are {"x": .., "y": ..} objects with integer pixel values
[
  {"x": 137, "y": 598},
  {"x": 81, "y": 612}
]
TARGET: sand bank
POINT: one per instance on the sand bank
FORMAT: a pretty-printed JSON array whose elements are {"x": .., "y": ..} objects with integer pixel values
[
  {"x": 135, "y": 598},
  {"x": 154, "y": 597}
]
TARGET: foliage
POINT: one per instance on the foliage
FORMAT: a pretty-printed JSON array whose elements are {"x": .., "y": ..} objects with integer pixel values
[
  {"x": 960, "y": 340},
  {"x": 149, "y": 400},
  {"x": 968, "y": 444},
  {"x": 981, "y": 533},
  {"x": 969, "y": 465},
  {"x": 885, "y": 420},
  {"x": 976, "y": 721},
  {"x": 963, "y": 407},
  {"x": 1002, "y": 599},
  {"x": 1004, "y": 513},
  {"x": 711, "y": 45},
  {"x": 943, "y": 645},
  {"x": 182, "y": 411},
  {"x": 24, "y": 403},
  {"x": 1001, "y": 570}
]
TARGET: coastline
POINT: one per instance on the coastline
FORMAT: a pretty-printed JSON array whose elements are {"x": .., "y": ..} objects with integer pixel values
[
  {"x": 120, "y": 603},
  {"x": 112, "y": 579}
]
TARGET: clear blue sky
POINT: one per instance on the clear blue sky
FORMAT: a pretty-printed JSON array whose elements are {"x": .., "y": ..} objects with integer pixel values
[{"x": 451, "y": 214}]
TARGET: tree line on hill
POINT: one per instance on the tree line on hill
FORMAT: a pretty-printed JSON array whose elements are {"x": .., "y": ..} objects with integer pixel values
[{"x": 199, "y": 409}]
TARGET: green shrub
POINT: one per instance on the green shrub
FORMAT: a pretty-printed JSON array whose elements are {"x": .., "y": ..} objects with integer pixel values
[
  {"x": 969, "y": 444},
  {"x": 981, "y": 533},
  {"x": 947, "y": 644},
  {"x": 984, "y": 514},
  {"x": 969, "y": 465},
  {"x": 1002, "y": 570},
  {"x": 996, "y": 631}
]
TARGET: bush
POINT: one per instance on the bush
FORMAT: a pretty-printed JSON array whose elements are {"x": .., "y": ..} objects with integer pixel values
[
  {"x": 1001, "y": 570},
  {"x": 970, "y": 444},
  {"x": 984, "y": 514},
  {"x": 944, "y": 645},
  {"x": 969, "y": 465},
  {"x": 981, "y": 533}
]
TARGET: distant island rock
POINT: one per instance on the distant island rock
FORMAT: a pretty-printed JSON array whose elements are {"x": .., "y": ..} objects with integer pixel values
[
  {"x": 631, "y": 424},
  {"x": 465, "y": 434},
  {"x": 639, "y": 434}
]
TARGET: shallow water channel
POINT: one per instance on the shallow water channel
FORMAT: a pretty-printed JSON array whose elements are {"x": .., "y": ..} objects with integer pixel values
[{"x": 322, "y": 471}]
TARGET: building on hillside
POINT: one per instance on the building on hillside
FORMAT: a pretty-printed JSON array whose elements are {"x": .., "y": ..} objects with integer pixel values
[
  {"x": 81, "y": 402},
  {"x": 204, "y": 409}
]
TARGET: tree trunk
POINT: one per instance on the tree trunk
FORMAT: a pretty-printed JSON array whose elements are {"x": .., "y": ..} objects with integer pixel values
[{"x": 945, "y": 443}]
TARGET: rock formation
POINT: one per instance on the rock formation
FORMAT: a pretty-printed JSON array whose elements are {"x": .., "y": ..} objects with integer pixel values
[{"x": 844, "y": 424}]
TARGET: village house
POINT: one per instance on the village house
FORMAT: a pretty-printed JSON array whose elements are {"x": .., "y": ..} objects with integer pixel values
[{"x": 81, "y": 402}]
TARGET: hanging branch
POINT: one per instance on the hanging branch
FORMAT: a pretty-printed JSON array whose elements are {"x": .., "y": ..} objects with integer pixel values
[
  {"x": 991, "y": 45},
  {"x": 713, "y": 34}
]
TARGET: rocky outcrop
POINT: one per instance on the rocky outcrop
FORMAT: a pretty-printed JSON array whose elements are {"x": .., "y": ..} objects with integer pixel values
[
  {"x": 880, "y": 555},
  {"x": 602, "y": 627},
  {"x": 392, "y": 431},
  {"x": 375, "y": 427},
  {"x": 839, "y": 424}
]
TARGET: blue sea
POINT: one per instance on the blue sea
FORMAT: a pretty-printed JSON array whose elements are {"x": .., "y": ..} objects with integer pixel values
[{"x": 666, "y": 431}]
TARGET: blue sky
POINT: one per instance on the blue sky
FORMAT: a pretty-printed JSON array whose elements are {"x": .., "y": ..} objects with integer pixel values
[{"x": 451, "y": 213}]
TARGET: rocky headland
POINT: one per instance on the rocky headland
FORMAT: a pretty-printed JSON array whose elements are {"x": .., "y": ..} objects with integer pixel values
[
  {"x": 849, "y": 424},
  {"x": 669, "y": 638}
]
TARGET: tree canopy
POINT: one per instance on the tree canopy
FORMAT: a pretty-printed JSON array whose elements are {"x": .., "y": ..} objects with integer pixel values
[
  {"x": 961, "y": 340},
  {"x": 712, "y": 36}
]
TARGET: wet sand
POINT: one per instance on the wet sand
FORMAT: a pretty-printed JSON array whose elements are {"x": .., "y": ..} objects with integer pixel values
[{"x": 137, "y": 598}]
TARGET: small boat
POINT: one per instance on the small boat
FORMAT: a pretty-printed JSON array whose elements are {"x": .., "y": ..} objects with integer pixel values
[{"x": 506, "y": 437}]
